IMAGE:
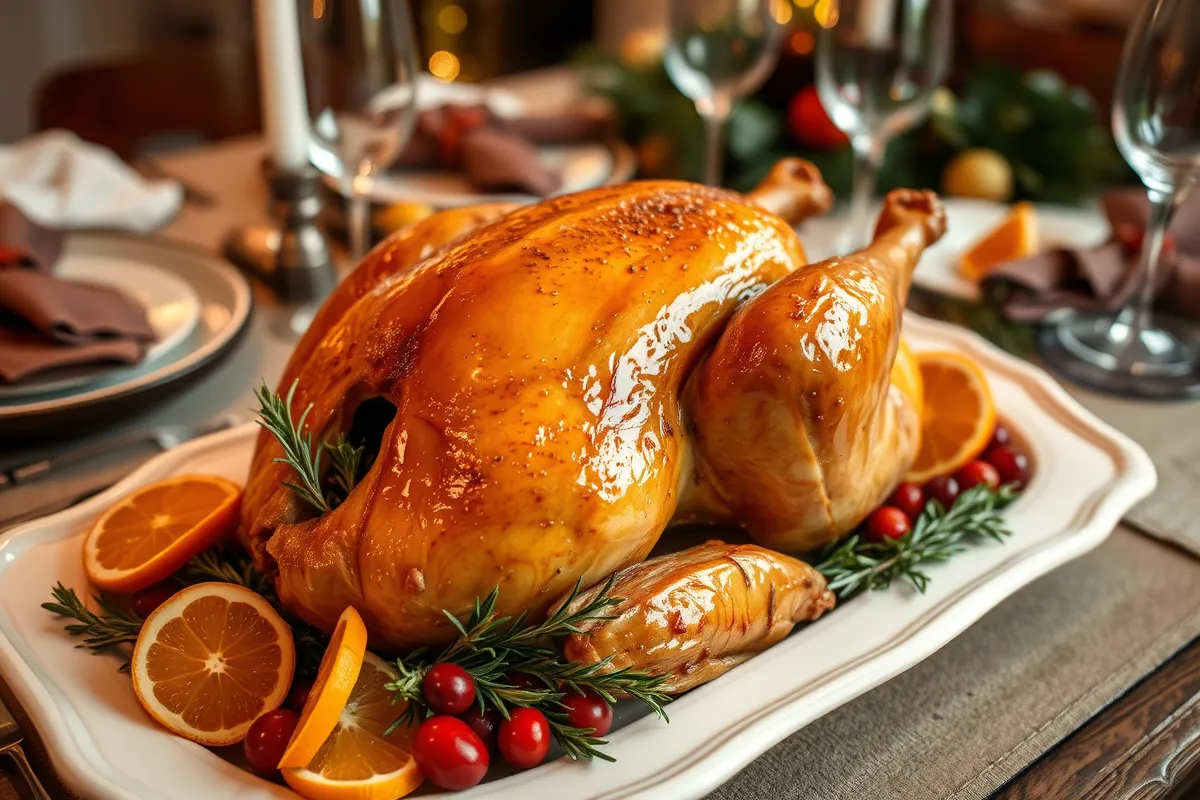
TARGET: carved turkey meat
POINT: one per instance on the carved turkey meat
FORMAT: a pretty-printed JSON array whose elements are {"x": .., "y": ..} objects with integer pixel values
[{"x": 545, "y": 391}]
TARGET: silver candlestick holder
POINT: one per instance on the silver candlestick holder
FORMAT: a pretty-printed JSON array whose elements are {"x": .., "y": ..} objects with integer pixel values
[{"x": 291, "y": 255}]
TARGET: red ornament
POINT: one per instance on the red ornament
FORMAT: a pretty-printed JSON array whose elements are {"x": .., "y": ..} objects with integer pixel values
[{"x": 809, "y": 124}]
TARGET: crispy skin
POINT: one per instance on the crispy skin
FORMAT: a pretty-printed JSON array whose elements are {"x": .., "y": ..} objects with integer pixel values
[
  {"x": 695, "y": 614},
  {"x": 536, "y": 370},
  {"x": 799, "y": 429}
]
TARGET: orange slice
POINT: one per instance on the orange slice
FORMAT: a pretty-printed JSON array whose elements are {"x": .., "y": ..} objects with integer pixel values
[
  {"x": 906, "y": 376},
  {"x": 154, "y": 531},
  {"x": 358, "y": 761},
  {"x": 958, "y": 415},
  {"x": 1015, "y": 237},
  {"x": 211, "y": 660},
  {"x": 330, "y": 690}
]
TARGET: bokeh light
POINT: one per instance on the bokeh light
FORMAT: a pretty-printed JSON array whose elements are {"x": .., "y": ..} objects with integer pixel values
[
  {"x": 444, "y": 65},
  {"x": 452, "y": 19}
]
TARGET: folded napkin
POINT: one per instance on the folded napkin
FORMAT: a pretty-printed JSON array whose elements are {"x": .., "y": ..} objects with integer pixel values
[
  {"x": 1105, "y": 277},
  {"x": 59, "y": 180},
  {"x": 494, "y": 152},
  {"x": 47, "y": 323}
]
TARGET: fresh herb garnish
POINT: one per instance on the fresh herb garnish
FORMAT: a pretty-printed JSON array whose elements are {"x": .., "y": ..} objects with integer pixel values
[
  {"x": 346, "y": 460},
  {"x": 275, "y": 414},
  {"x": 113, "y": 627},
  {"x": 101, "y": 632},
  {"x": 854, "y": 565},
  {"x": 494, "y": 648}
]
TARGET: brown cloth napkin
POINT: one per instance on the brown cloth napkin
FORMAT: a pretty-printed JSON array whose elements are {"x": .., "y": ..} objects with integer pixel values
[
  {"x": 1106, "y": 276},
  {"x": 47, "y": 323},
  {"x": 25, "y": 243},
  {"x": 497, "y": 153}
]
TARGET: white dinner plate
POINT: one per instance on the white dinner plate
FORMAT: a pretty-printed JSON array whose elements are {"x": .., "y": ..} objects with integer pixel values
[
  {"x": 182, "y": 283},
  {"x": 172, "y": 309},
  {"x": 103, "y": 745},
  {"x": 582, "y": 166},
  {"x": 968, "y": 221}
]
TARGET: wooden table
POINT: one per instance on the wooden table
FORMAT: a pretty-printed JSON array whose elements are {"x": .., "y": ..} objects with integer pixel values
[{"x": 911, "y": 737}]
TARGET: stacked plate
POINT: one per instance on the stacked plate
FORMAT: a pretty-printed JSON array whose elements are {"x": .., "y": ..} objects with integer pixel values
[{"x": 196, "y": 302}]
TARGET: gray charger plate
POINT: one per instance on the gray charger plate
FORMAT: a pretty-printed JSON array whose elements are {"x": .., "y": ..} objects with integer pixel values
[{"x": 226, "y": 303}]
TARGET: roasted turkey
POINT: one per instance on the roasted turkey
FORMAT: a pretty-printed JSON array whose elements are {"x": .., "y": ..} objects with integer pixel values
[{"x": 548, "y": 388}]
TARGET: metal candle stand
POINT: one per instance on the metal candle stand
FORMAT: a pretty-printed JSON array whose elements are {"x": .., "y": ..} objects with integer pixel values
[{"x": 292, "y": 254}]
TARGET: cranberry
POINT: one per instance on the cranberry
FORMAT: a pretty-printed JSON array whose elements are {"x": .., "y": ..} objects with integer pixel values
[
  {"x": 977, "y": 472},
  {"x": 888, "y": 522},
  {"x": 144, "y": 603},
  {"x": 944, "y": 489},
  {"x": 590, "y": 712},
  {"x": 1000, "y": 435},
  {"x": 524, "y": 738},
  {"x": 909, "y": 498},
  {"x": 267, "y": 738},
  {"x": 298, "y": 694},
  {"x": 449, "y": 753},
  {"x": 449, "y": 689},
  {"x": 1011, "y": 465},
  {"x": 484, "y": 725}
]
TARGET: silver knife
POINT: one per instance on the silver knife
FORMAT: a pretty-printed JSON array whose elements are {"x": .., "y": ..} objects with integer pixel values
[{"x": 163, "y": 437}]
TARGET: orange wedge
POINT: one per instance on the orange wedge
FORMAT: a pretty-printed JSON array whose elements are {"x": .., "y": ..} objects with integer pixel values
[
  {"x": 958, "y": 415},
  {"x": 906, "y": 376},
  {"x": 335, "y": 679},
  {"x": 358, "y": 761},
  {"x": 1015, "y": 237},
  {"x": 154, "y": 531},
  {"x": 211, "y": 660}
]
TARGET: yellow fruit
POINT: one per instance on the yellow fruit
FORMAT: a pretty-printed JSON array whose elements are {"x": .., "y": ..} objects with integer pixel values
[
  {"x": 335, "y": 679},
  {"x": 211, "y": 660},
  {"x": 400, "y": 215},
  {"x": 1015, "y": 237},
  {"x": 979, "y": 173},
  {"x": 154, "y": 531},
  {"x": 358, "y": 761},
  {"x": 958, "y": 414}
]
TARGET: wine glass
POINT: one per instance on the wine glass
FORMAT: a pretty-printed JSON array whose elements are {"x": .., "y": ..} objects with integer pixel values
[
  {"x": 360, "y": 66},
  {"x": 718, "y": 51},
  {"x": 1156, "y": 122},
  {"x": 877, "y": 64}
]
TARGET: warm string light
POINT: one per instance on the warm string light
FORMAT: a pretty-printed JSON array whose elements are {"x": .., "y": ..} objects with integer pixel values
[
  {"x": 801, "y": 42},
  {"x": 452, "y": 19},
  {"x": 444, "y": 65},
  {"x": 825, "y": 12}
]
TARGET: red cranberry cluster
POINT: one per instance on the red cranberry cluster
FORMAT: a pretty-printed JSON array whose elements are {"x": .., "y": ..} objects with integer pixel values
[{"x": 1001, "y": 463}]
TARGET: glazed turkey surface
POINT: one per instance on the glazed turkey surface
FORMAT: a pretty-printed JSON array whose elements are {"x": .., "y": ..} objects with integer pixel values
[{"x": 537, "y": 367}]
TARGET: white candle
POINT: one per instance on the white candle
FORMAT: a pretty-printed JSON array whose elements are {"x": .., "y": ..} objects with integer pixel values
[
  {"x": 875, "y": 21},
  {"x": 281, "y": 76}
]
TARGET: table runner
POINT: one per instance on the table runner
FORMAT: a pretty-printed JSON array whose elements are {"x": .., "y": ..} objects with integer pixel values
[{"x": 968, "y": 718}]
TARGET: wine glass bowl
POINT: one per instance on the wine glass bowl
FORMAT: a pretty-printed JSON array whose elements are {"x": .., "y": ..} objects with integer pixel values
[
  {"x": 360, "y": 64},
  {"x": 1156, "y": 124},
  {"x": 718, "y": 51},
  {"x": 877, "y": 65}
]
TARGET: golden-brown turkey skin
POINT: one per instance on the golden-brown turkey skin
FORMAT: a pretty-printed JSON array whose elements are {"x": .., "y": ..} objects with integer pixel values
[
  {"x": 694, "y": 614},
  {"x": 536, "y": 369},
  {"x": 799, "y": 429}
]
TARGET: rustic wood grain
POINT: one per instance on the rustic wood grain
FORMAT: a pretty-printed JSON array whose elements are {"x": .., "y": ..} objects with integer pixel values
[{"x": 1146, "y": 745}]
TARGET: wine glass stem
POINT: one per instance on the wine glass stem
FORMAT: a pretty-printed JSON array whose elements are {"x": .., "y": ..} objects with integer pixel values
[
  {"x": 868, "y": 156},
  {"x": 357, "y": 222},
  {"x": 1135, "y": 316},
  {"x": 715, "y": 112}
]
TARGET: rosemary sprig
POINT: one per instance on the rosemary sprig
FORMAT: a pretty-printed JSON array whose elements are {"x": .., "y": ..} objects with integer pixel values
[
  {"x": 101, "y": 632},
  {"x": 854, "y": 565},
  {"x": 346, "y": 460},
  {"x": 216, "y": 564},
  {"x": 275, "y": 414},
  {"x": 113, "y": 627},
  {"x": 493, "y": 648}
]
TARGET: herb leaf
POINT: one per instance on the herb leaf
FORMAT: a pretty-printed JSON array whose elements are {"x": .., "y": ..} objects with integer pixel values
[
  {"x": 852, "y": 566},
  {"x": 104, "y": 631},
  {"x": 275, "y": 414},
  {"x": 493, "y": 648}
]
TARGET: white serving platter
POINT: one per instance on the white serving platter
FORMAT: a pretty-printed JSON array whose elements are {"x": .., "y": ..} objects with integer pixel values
[{"x": 1086, "y": 476}]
